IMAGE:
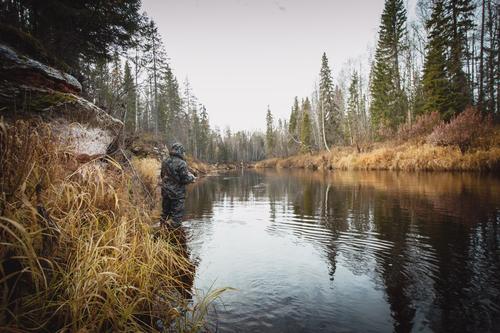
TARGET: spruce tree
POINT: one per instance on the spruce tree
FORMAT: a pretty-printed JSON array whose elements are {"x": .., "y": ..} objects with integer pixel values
[
  {"x": 75, "y": 32},
  {"x": 203, "y": 134},
  {"x": 293, "y": 123},
  {"x": 194, "y": 132},
  {"x": 435, "y": 84},
  {"x": 156, "y": 57},
  {"x": 305, "y": 125},
  {"x": 305, "y": 132},
  {"x": 174, "y": 103},
  {"x": 460, "y": 21},
  {"x": 270, "y": 139},
  {"x": 446, "y": 87},
  {"x": 489, "y": 70},
  {"x": 388, "y": 98},
  {"x": 129, "y": 116},
  {"x": 329, "y": 112},
  {"x": 353, "y": 108}
]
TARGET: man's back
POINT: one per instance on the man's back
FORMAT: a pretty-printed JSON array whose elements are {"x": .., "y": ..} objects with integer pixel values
[{"x": 175, "y": 175}]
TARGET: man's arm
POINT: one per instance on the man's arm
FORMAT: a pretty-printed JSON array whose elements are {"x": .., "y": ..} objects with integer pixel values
[{"x": 185, "y": 176}]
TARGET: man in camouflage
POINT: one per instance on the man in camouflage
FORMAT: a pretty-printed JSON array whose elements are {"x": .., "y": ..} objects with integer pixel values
[{"x": 175, "y": 176}]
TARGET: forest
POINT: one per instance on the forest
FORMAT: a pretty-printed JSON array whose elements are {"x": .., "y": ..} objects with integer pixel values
[{"x": 118, "y": 55}]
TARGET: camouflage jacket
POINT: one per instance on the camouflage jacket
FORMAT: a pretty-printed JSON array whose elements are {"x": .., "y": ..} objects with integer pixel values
[{"x": 175, "y": 176}]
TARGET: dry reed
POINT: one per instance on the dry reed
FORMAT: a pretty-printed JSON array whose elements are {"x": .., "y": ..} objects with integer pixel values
[
  {"x": 407, "y": 156},
  {"x": 78, "y": 252}
]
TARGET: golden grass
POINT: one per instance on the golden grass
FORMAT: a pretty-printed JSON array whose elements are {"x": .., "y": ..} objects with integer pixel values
[
  {"x": 148, "y": 169},
  {"x": 78, "y": 252},
  {"x": 409, "y": 156}
]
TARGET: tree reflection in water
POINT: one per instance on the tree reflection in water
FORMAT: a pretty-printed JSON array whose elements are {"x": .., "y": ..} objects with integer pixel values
[{"x": 429, "y": 241}]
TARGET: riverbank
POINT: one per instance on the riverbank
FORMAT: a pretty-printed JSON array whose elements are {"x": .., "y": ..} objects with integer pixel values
[
  {"x": 79, "y": 251},
  {"x": 407, "y": 156},
  {"x": 152, "y": 148}
]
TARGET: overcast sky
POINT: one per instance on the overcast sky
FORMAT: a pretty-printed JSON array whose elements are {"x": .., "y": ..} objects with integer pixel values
[{"x": 241, "y": 55}]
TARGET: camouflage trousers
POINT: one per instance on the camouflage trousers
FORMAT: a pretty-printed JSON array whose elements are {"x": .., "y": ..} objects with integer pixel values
[{"x": 172, "y": 209}]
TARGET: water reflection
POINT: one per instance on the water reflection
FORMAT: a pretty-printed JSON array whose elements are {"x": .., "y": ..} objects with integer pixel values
[{"x": 350, "y": 251}]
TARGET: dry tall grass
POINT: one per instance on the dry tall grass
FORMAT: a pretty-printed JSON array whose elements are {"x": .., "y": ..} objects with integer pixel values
[
  {"x": 148, "y": 171},
  {"x": 78, "y": 253},
  {"x": 409, "y": 156}
]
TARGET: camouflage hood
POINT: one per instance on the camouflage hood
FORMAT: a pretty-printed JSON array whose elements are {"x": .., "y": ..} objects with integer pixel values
[{"x": 178, "y": 150}]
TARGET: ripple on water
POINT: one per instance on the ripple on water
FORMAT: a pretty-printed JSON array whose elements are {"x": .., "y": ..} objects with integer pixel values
[{"x": 366, "y": 253}]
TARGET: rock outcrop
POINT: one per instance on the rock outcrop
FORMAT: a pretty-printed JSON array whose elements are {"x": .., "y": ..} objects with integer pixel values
[
  {"x": 18, "y": 68},
  {"x": 29, "y": 88}
]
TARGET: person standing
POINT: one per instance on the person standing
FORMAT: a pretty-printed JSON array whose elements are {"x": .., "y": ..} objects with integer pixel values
[{"x": 174, "y": 178}]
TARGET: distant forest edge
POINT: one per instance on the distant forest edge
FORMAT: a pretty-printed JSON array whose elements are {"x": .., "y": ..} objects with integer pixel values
[{"x": 423, "y": 74}]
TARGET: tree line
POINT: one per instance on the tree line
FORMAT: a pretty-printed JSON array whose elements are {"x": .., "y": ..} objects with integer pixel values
[{"x": 444, "y": 60}]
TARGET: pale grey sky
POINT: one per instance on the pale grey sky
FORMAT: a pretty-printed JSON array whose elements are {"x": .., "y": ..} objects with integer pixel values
[{"x": 241, "y": 55}]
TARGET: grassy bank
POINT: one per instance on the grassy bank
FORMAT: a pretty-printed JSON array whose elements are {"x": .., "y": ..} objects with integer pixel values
[
  {"x": 407, "y": 156},
  {"x": 468, "y": 142},
  {"x": 78, "y": 251}
]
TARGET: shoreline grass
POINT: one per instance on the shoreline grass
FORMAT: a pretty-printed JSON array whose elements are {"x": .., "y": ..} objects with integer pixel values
[
  {"x": 78, "y": 252},
  {"x": 468, "y": 142},
  {"x": 408, "y": 156}
]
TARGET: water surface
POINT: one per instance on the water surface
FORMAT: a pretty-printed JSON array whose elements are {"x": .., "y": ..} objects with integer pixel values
[{"x": 349, "y": 251}]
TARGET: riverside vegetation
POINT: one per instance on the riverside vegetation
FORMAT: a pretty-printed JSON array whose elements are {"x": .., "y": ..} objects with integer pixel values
[
  {"x": 401, "y": 105},
  {"x": 78, "y": 250},
  {"x": 468, "y": 142}
]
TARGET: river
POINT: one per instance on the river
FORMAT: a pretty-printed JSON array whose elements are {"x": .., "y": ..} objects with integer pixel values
[{"x": 348, "y": 251}]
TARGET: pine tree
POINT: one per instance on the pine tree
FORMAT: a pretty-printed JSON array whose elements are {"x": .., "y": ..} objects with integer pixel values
[
  {"x": 489, "y": 72},
  {"x": 116, "y": 86},
  {"x": 436, "y": 87},
  {"x": 129, "y": 117},
  {"x": 294, "y": 115},
  {"x": 156, "y": 57},
  {"x": 305, "y": 125},
  {"x": 184, "y": 127},
  {"x": 98, "y": 84},
  {"x": 460, "y": 21},
  {"x": 194, "y": 132},
  {"x": 174, "y": 104},
  {"x": 305, "y": 107},
  {"x": 446, "y": 87},
  {"x": 337, "y": 136},
  {"x": 353, "y": 108},
  {"x": 305, "y": 131},
  {"x": 76, "y": 32},
  {"x": 329, "y": 112},
  {"x": 388, "y": 99},
  {"x": 270, "y": 135},
  {"x": 204, "y": 135}
]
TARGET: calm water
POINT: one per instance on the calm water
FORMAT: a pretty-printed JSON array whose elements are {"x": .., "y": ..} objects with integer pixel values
[{"x": 349, "y": 251}]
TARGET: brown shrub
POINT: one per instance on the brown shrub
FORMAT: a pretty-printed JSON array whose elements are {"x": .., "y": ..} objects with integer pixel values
[
  {"x": 463, "y": 130},
  {"x": 421, "y": 127},
  {"x": 384, "y": 132}
]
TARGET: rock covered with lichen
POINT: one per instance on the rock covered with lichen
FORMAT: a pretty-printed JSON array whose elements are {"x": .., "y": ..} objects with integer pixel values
[{"x": 29, "y": 88}]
